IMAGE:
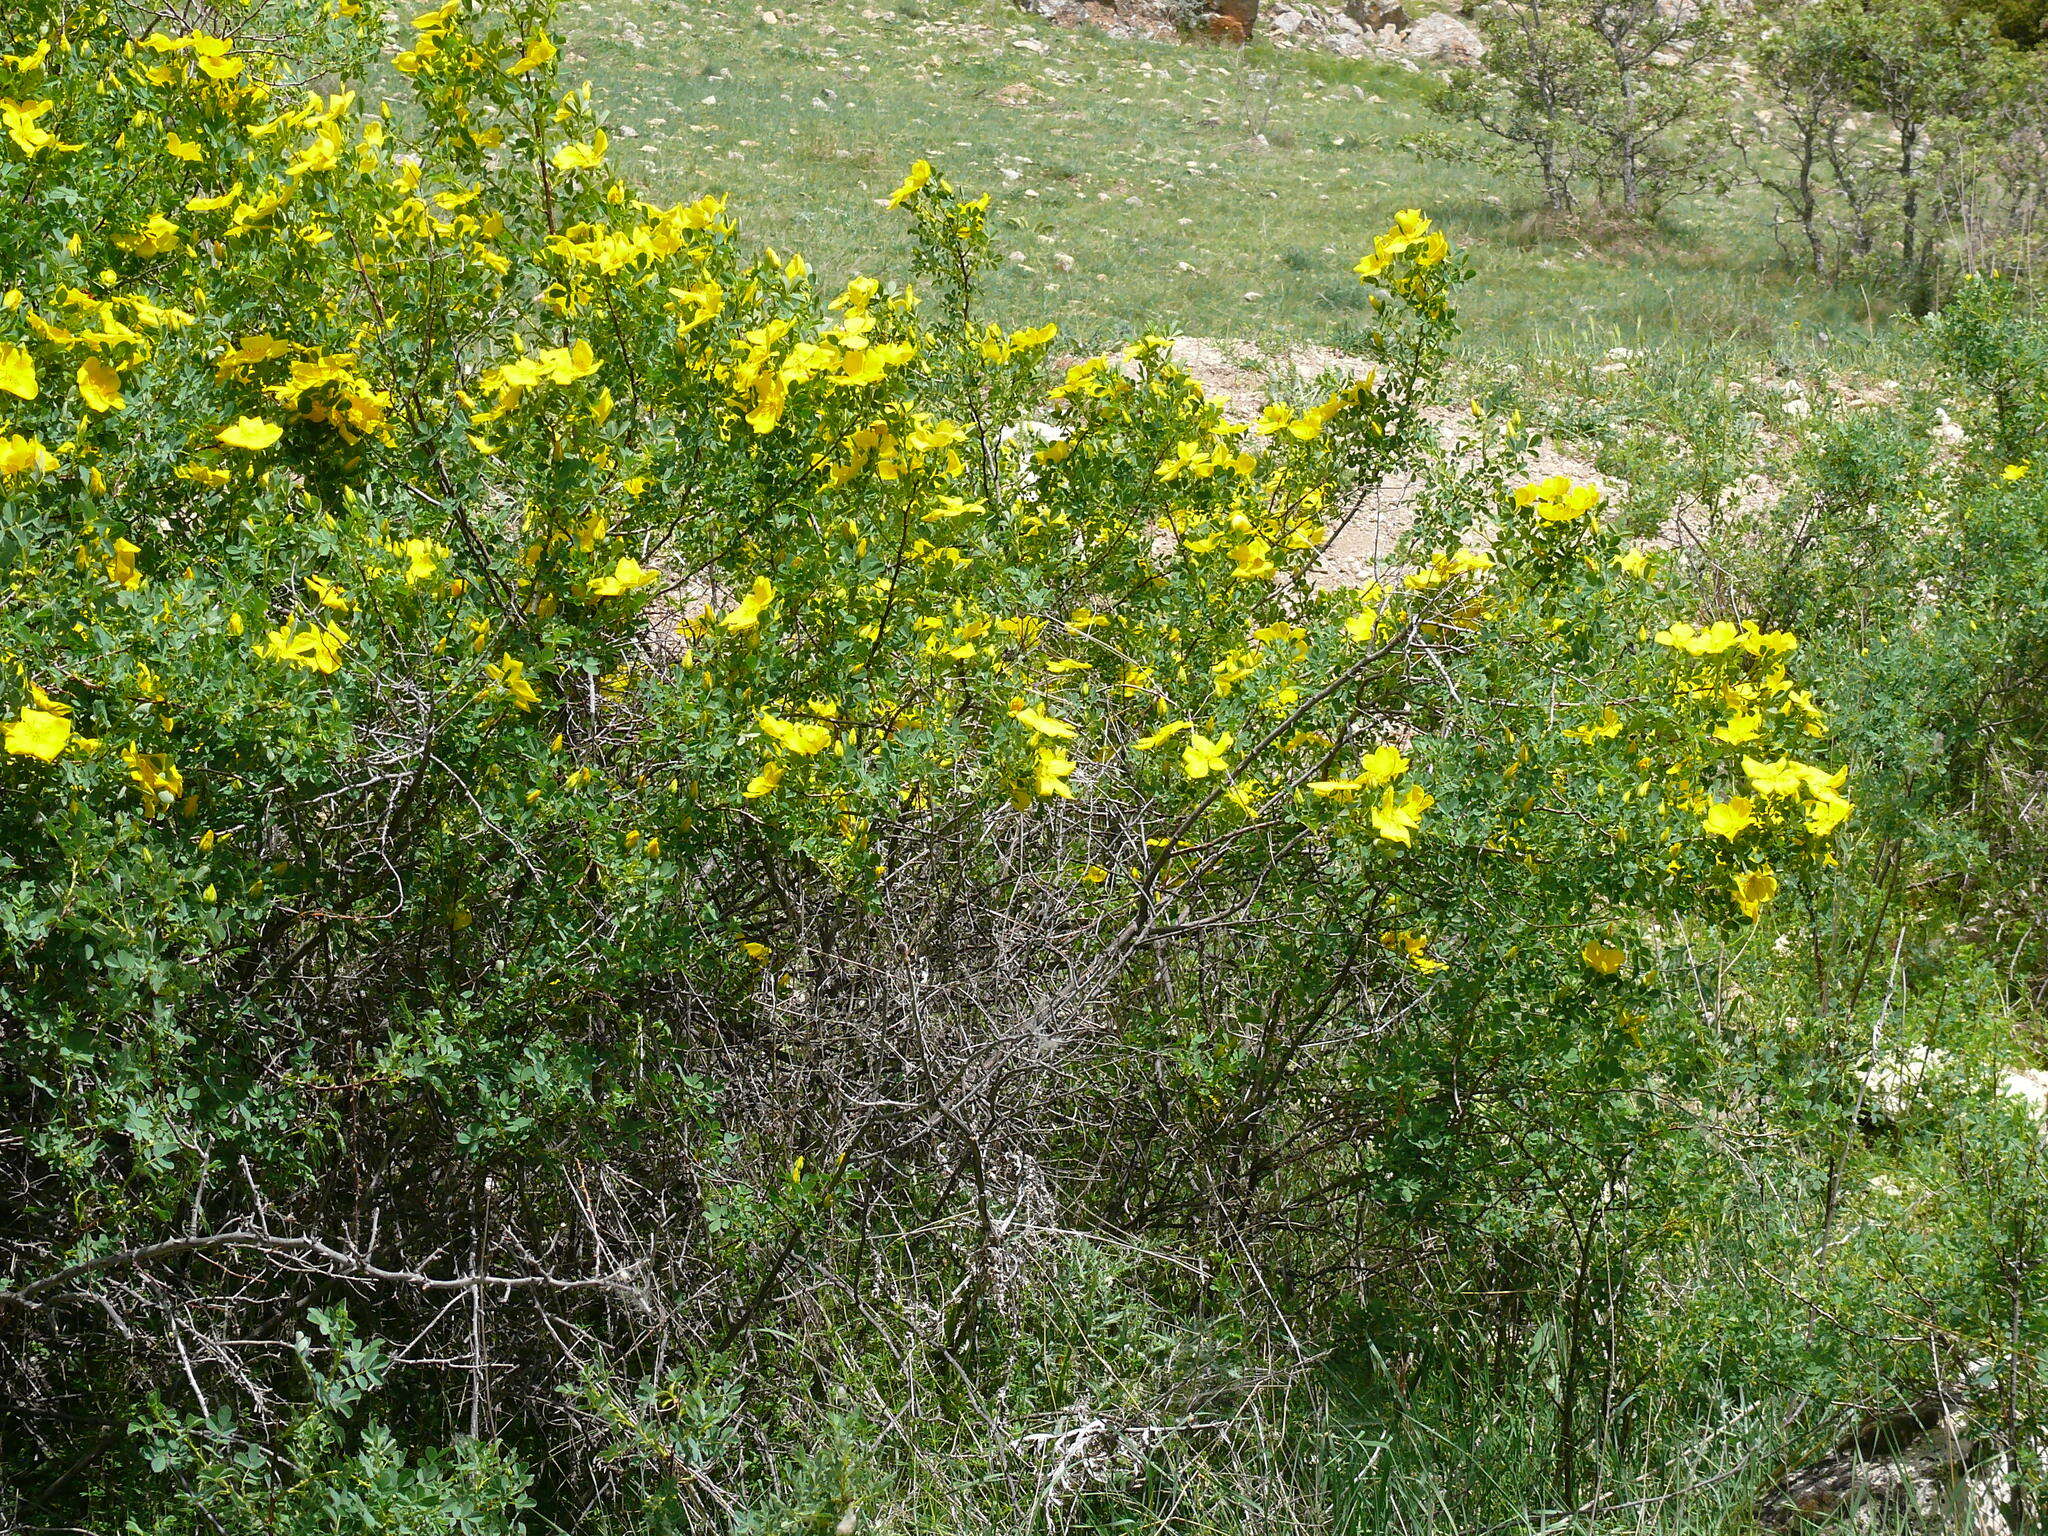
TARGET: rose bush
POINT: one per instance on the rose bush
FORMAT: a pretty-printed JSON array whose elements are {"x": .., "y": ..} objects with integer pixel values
[{"x": 555, "y": 759}]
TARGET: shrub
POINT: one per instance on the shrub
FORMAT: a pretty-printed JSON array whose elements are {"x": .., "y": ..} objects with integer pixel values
[
  {"x": 331, "y": 1470},
  {"x": 603, "y": 802}
]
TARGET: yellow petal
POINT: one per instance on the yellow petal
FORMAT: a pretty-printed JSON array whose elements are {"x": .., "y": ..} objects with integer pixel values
[
  {"x": 38, "y": 733},
  {"x": 1603, "y": 958},
  {"x": 17, "y": 371},
  {"x": 252, "y": 433},
  {"x": 99, "y": 386}
]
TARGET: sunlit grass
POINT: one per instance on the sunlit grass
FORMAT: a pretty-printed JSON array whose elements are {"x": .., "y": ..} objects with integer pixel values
[{"x": 1143, "y": 184}]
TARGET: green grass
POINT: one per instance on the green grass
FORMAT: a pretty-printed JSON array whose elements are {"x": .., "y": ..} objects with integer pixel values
[{"x": 1180, "y": 179}]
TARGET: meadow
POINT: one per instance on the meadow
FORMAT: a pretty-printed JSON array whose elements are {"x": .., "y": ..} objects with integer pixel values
[{"x": 1189, "y": 188}]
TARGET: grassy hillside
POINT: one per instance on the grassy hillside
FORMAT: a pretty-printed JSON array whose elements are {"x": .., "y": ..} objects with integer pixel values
[{"x": 1206, "y": 190}]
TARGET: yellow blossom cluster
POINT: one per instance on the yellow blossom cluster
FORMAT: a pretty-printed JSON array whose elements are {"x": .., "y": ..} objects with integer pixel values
[
  {"x": 1413, "y": 236},
  {"x": 350, "y": 406}
]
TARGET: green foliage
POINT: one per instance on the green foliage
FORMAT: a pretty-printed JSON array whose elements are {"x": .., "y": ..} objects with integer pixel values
[
  {"x": 2023, "y": 22},
  {"x": 330, "y": 1470}
]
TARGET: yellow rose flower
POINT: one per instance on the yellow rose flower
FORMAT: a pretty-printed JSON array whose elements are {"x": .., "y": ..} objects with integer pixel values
[
  {"x": 1729, "y": 818},
  {"x": 1603, "y": 958},
  {"x": 252, "y": 434},
  {"x": 17, "y": 371},
  {"x": 38, "y": 733},
  {"x": 801, "y": 737},
  {"x": 751, "y": 607},
  {"x": 100, "y": 387},
  {"x": 1754, "y": 889},
  {"x": 627, "y": 576},
  {"x": 1202, "y": 757}
]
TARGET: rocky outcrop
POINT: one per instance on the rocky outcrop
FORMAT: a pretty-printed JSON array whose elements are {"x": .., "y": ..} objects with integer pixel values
[
  {"x": 1444, "y": 39},
  {"x": 1374, "y": 15},
  {"x": 1895, "y": 1081},
  {"x": 1920, "y": 1471},
  {"x": 1158, "y": 20},
  {"x": 1374, "y": 28},
  {"x": 1232, "y": 21}
]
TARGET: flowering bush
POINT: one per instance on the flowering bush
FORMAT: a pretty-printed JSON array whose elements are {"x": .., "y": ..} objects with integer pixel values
[{"x": 505, "y": 680}]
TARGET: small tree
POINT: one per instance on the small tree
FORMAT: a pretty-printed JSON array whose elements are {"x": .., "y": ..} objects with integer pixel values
[
  {"x": 1928, "y": 75},
  {"x": 1818, "y": 154},
  {"x": 1997, "y": 190},
  {"x": 1606, "y": 91},
  {"x": 1534, "y": 99},
  {"x": 1880, "y": 129},
  {"x": 1656, "y": 127}
]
